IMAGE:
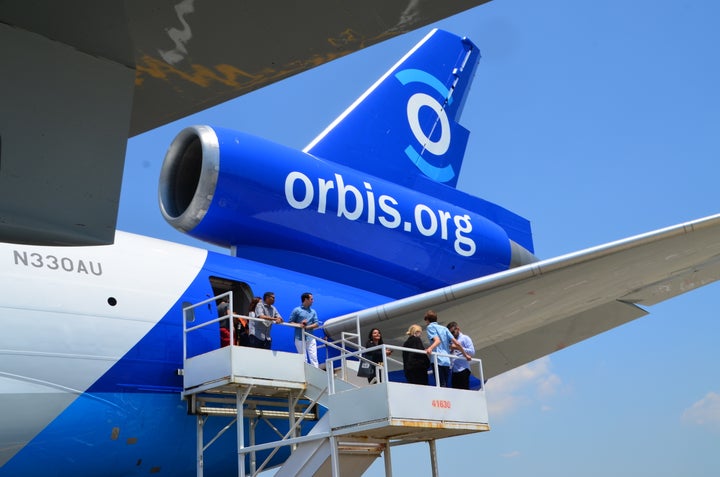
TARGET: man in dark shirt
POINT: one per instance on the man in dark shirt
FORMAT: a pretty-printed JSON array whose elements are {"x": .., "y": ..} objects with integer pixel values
[{"x": 260, "y": 330}]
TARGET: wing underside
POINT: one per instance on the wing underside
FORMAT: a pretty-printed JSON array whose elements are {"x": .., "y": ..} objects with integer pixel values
[
  {"x": 517, "y": 316},
  {"x": 80, "y": 77}
]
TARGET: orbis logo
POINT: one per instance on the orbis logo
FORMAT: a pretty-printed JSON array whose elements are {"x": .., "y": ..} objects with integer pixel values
[
  {"x": 416, "y": 103},
  {"x": 363, "y": 203}
]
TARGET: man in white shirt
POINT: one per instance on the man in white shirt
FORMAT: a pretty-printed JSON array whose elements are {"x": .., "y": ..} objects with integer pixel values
[{"x": 460, "y": 378}]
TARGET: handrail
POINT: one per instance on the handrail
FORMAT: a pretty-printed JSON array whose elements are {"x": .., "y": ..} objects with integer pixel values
[
  {"x": 330, "y": 362},
  {"x": 228, "y": 316},
  {"x": 187, "y": 309},
  {"x": 345, "y": 354},
  {"x": 323, "y": 342},
  {"x": 474, "y": 362}
]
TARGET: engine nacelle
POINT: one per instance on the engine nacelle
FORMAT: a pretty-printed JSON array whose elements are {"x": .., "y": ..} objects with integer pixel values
[{"x": 236, "y": 190}]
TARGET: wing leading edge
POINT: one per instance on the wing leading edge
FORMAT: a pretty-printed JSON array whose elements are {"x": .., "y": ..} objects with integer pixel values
[{"x": 517, "y": 316}]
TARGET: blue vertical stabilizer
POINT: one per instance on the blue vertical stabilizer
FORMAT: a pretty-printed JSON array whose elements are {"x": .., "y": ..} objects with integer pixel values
[{"x": 405, "y": 125}]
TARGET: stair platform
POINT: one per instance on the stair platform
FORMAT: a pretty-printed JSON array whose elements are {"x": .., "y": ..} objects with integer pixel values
[
  {"x": 224, "y": 370},
  {"x": 401, "y": 411},
  {"x": 336, "y": 423}
]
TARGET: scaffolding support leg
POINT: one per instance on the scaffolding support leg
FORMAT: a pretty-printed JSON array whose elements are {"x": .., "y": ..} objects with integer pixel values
[
  {"x": 199, "y": 442},
  {"x": 291, "y": 417},
  {"x": 433, "y": 458},
  {"x": 240, "y": 398},
  {"x": 388, "y": 460},
  {"x": 240, "y": 427},
  {"x": 334, "y": 456},
  {"x": 253, "y": 456}
]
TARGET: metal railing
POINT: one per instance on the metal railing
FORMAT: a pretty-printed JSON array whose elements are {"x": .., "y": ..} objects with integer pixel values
[
  {"x": 348, "y": 346},
  {"x": 383, "y": 370}
]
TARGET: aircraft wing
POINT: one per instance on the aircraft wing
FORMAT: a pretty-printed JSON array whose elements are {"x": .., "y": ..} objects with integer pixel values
[
  {"x": 517, "y": 316},
  {"x": 80, "y": 77}
]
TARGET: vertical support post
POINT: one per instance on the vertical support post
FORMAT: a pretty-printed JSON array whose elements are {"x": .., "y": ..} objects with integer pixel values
[
  {"x": 388, "y": 459},
  {"x": 186, "y": 313},
  {"x": 253, "y": 456},
  {"x": 291, "y": 419},
  {"x": 200, "y": 444},
  {"x": 240, "y": 427},
  {"x": 231, "y": 318},
  {"x": 304, "y": 346},
  {"x": 334, "y": 456},
  {"x": 330, "y": 371},
  {"x": 433, "y": 458}
]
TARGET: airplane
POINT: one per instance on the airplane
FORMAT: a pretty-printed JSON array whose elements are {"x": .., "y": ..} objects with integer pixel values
[
  {"x": 116, "y": 68},
  {"x": 366, "y": 217}
]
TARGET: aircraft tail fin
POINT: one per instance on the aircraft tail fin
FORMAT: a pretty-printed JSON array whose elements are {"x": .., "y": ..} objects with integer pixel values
[{"x": 405, "y": 126}]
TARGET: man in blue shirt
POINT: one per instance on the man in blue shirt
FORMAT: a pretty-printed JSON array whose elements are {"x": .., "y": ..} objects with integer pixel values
[
  {"x": 460, "y": 367},
  {"x": 307, "y": 318},
  {"x": 440, "y": 338}
]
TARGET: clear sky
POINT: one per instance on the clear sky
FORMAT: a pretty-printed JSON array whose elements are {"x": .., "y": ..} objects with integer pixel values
[{"x": 596, "y": 120}]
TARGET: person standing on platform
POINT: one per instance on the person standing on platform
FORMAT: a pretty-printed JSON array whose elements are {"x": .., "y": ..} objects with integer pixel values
[
  {"x": 242, "y": 325},
  {"x": 415, "y": 365},
  {"x": 441, "y": 338},
  {"x": 376, "y": 355},
  {"x": 460, "y": 378},
  {"x": 307, "y": 318},
  {"x": 260, "y": 330}
]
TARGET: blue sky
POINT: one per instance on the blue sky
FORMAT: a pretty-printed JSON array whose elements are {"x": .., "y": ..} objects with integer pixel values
[{"x": 596, "y": 121}]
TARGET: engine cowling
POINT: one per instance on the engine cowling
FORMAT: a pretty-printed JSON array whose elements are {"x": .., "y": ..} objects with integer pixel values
[{"x": 236, "y": 190}]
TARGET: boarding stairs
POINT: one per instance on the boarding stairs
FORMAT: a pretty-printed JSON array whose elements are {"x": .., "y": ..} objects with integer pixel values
[{"x": 354, "y": 422}]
